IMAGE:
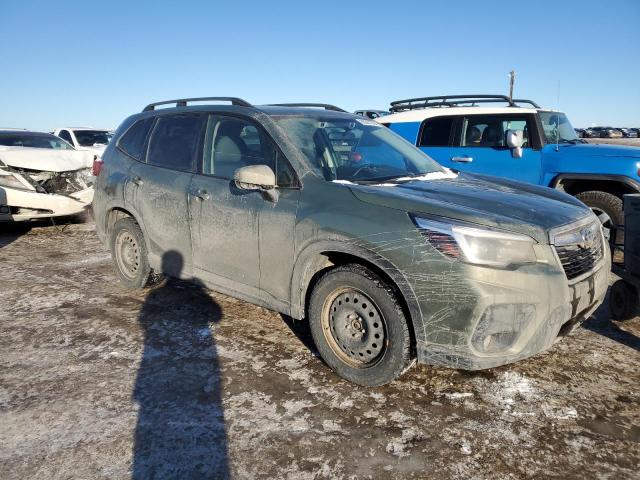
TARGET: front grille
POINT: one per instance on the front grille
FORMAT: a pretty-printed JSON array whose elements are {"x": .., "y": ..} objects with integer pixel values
[{"x": 581, "y": 256}]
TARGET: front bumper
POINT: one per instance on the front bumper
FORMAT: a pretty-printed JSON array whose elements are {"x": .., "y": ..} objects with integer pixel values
[
  {"x": 499, "y": 317},
  {"x": 30, "y": 205}
]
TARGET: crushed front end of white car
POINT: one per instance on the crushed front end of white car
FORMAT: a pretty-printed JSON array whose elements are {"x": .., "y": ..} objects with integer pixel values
[{"x": 42, "y": 183}]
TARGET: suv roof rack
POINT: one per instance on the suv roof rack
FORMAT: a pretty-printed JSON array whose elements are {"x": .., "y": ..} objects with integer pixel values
[
  {"x": 455, "y": 101},
  {"x": 326, "y": 106},
  {"x": 182, "y": 102}
]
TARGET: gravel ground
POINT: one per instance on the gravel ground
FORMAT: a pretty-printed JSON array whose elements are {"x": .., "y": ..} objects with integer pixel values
[
  {"x": 634, "y": 142},
  {"x": 177, "y": 382}
]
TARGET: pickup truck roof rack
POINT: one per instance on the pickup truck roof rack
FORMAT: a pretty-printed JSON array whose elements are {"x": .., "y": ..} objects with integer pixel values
[
  {"x": 455, "y": 101},
  {"x": 182, "y": 102},
  {"x": 326, "y": 106}
]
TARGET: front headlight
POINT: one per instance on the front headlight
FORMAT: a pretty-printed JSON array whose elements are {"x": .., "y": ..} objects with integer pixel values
[
  {"x": 9, "y": 180},
  {"x": 477, "y": 245}
]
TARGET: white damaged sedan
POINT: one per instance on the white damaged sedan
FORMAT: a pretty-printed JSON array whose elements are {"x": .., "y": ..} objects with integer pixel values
[{"x": 42, "y": 176}]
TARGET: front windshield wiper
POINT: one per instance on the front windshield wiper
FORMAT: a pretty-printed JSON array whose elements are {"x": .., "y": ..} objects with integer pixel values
[{"x": 404, "y": 177}]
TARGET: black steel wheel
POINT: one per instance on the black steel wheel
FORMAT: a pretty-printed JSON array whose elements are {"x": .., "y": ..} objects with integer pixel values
[
  {"x": 129, "y": 253},
  {"x": 359, "y": 327}
]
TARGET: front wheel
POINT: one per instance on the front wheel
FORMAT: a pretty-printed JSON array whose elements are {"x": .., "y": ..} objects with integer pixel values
[
  {"x": 359, "y": 327},
  {"x": 623, "y": 300},
  {"x": 608, "y": 208}
]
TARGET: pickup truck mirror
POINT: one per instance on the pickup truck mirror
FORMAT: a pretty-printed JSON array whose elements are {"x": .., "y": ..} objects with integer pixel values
[
  {"x": 257, "y": 177},
  {"x": 515, "y": 139}
]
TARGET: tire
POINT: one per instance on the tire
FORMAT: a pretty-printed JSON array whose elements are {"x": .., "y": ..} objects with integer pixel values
[
  {"x": 608, "y": 208},
  {"x": 623, "y": 300},
  {"x": 359, "y": 327},
  {"x": 129, "y": 254}
]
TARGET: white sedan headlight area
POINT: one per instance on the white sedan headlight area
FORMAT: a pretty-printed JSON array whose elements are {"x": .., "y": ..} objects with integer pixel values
[{"x": 478, "y": 246}]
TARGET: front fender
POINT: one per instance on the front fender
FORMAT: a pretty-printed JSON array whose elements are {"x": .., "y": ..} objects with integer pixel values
[{"x": 313, "y": 258}]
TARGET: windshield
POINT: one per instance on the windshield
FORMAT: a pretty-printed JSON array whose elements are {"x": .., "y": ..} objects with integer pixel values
[
  {"x": 557, "y": 128},
  {"x": 89, "y": 138},
  {"x": 355, "y": 149},
  {"x": 41, "y": 140}
]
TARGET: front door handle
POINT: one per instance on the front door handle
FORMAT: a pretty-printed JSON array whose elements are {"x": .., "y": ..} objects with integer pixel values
[
  {"x": 201, "y": 194},
  {"x": 462, "y": 159},
  {"x": 137, "y": 181}
]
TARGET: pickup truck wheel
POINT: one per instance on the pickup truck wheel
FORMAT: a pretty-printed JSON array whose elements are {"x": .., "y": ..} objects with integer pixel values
[
  {"x": 608, "y": 209},
  {"x": 129, "y": 253},
  {"x": 359, "y": 327}
]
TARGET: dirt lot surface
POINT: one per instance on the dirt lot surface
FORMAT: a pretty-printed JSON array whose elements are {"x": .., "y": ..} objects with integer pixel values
[
  {"x": 176, "y": 382},
  {"x": 633, "y": 142}
]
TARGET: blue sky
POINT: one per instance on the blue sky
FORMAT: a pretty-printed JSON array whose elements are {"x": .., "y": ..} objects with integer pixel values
[{"x": 94, "y": 63}]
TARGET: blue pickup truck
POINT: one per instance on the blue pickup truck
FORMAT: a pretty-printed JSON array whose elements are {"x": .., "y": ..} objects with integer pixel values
[{"x": 496, "y": 135}]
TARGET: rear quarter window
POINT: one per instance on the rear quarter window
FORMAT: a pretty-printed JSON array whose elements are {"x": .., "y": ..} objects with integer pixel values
[
  {"x": 436, "y": 132},
  {"x": 132, "y": 142}
]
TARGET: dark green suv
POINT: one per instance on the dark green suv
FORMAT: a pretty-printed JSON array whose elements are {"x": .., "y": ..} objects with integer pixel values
[{"x": 331, "y": 217}]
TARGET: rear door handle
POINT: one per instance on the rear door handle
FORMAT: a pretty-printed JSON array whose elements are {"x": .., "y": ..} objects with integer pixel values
[
  {"x": 137, "y": 180},
  {"x": 201, "y": 194},
  {"x": 462, "y": 159}
]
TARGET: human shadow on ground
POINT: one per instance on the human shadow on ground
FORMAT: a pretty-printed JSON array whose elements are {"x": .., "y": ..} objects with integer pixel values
[{"x": 180, "y": 431}]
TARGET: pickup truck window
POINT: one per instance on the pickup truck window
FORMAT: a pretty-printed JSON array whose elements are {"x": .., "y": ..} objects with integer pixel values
[
  {"x": 175, "y": 141},
  {"x": 436, "y": 132},
  {"x": 490, "y": 130},
  {"x": 66, "y": 136}
]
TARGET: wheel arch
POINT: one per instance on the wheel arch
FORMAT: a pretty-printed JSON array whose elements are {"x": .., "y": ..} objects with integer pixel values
[
  {"x": 574, "y": 184},
  {"x": 318, "y": 258},
  {"x": 117, "y": 211}
]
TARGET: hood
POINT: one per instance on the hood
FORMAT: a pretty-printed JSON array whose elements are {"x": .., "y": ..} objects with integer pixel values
[
  {"x": 583, "y": 150},
  {"x": 487, "y": 201},
  {"x": 45, "y": 159}
]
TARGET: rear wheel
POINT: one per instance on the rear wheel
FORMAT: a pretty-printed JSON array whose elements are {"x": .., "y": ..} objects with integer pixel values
[
  {"x": 359, "y": 327},
  {"x": 129, "y": 253},
  {"x": 608, "y": 208}
]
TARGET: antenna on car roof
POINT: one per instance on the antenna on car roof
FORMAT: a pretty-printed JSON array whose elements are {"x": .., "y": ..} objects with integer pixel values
[{"x": 512, "y": 79}]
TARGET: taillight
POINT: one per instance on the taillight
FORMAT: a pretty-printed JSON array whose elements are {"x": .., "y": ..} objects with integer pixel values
[{"x": 97, "y": 165}]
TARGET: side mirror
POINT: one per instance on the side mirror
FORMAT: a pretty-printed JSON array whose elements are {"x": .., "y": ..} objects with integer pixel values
[
  {"x": 257, "y": 177},
  {"x": 515, "y": 139}
]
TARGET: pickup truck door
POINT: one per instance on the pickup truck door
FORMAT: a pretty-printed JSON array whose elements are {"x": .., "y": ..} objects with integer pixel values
[
  {"x": 477, "y": 144},
  {"x": 241, "y": 240}
]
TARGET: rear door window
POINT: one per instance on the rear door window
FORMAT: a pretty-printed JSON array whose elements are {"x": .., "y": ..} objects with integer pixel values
[
  {"x": 491, "y": 130},
  {"x": 132, "y": 142},
  {"x": 175, "y": 141},
  {"x": 436, "y": 132}
]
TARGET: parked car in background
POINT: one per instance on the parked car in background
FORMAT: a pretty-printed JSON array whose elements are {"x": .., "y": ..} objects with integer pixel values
[
  {"x": 629, "y": 132},
  {"x": 42, "y": 176},
  {"x": 329, "y": 216},
  {"x": 85, "y": 138},
  {"x": 519, "y": 140},
  {"x": 606, "y": 132},
  {"x": 579, "y": 132},
  {"x": 590, "y": 133},
  {"x": 372, "y": 113}
]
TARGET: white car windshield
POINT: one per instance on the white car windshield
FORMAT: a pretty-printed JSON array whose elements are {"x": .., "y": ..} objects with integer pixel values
[{"x": 355, "y": 149}]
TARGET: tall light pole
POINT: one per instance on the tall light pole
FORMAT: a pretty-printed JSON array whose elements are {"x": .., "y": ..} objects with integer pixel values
[{"x": 512, "y": 79}]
